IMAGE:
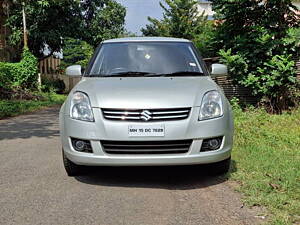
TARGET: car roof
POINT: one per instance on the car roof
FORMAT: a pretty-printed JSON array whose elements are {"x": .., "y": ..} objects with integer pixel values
[{"x": 146, "y": 39}]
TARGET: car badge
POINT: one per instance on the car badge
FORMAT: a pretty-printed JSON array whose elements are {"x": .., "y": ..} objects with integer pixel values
[{"x": 146, "y": 115}]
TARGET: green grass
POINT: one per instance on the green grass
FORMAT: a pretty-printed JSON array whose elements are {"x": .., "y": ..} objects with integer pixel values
[
  {"x": 267, "y": 160},
  {"x": 10, "y": 108}
]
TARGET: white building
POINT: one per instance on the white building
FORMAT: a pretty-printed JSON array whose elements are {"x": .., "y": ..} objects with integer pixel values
[
  {"x": 297, "y": 3},
  {"x": 205, "y": 5}
]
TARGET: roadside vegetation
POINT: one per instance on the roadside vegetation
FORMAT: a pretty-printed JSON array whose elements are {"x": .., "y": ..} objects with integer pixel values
[
  {"x": 19, "y": 89},
  {"x": 9, "y": 108},
  {"x": 261, "y": 50},
  {"x": 266, "y": 164}
]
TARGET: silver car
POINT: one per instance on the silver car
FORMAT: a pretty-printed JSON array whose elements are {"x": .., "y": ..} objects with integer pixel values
[{"x": 146, "y": 102}]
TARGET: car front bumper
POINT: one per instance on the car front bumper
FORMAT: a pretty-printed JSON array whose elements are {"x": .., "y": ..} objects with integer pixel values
[{"x": 103, "y": 129}]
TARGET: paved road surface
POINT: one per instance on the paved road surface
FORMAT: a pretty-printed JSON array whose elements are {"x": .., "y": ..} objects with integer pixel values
[{"x": 34, "y": 188}]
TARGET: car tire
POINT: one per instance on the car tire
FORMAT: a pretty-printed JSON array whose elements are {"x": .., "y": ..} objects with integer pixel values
[
  {"x": 71, "y": 168},
  {"x": 220, "y": 168}
]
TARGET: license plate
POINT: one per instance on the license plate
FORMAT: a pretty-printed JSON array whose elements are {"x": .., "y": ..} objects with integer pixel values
[{"x": 146, "y": 130}]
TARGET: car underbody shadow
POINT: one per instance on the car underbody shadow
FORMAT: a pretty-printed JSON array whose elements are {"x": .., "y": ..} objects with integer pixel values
[{"x": 162, "y": 177}]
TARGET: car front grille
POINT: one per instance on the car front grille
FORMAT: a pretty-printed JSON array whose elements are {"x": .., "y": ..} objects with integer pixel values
[
  {"x": 147, "y": 114},
  {"x": 146, "y": 147}
]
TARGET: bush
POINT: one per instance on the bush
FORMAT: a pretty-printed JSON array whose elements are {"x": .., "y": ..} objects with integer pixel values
[
  {"x": 260, "y": 47},
  {"x": 28, "y": 73},
  {"x": 237, "y": 66},
  {"x": 53, "y": 85},
  {"x": 22, "y": 75},
  {"x": 274, "y": 82},
  {"x": 5, "y": 75}
]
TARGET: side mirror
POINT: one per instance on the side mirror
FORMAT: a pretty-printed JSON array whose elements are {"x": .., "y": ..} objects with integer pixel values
[
  {"x": 74, "y": 71},
  {"x": 218, "y": 70}
]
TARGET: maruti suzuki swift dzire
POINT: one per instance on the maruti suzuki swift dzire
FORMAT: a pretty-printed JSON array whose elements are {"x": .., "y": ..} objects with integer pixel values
[{"x": 146, "y": 102}]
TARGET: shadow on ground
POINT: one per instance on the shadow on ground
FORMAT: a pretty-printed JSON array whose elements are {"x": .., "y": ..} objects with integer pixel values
[
  {"x": 172, "y": 178},
  {"x": 40, "y": 124}
]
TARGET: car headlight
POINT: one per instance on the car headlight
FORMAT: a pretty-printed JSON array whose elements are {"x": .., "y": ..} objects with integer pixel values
[
  {"x": 211, "y": 106},
  {"x": 81, "y": 107}
]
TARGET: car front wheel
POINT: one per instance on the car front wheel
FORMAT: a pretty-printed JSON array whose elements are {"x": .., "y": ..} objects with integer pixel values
[
  {"x": 220, "y": 168},
  {"x": 71, "y": 168}
]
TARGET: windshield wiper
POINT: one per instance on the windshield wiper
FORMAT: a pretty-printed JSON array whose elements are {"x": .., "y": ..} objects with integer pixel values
[
  {"x": 122, "y": 74},
  {"x": 178, "y": 74},
  {"x": 95, "y": 75},
  {"x": 130, "y": 74}
]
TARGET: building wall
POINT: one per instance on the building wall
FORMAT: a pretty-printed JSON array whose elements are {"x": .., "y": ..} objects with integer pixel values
[
  {"x": 206, "y": 7},
  {"x": 297, "y": 4}
]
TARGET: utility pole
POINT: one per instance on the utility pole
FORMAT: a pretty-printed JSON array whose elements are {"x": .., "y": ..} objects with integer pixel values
[{"x": 24, "y": 26}]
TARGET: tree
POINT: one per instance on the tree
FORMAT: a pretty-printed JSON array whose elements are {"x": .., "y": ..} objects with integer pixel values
[
  {"x": 257, "y": 18},
  {"x": 47, "y": 22},
  {"x": 258, "y": 45},
  {"x": 76, "y": 52},
  {"x": 50, "y": 21},
  {"x": 181, "y": 19},
  {"x": 103, "y": 19}
]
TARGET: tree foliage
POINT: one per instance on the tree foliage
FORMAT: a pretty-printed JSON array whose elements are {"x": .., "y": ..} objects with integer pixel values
[
  {"x": 104, "y": 19},
  {"x": 47, "y": 22},
  {"x": 240, "y": 18},
  {"x": 50, "y": 21},
  {"x": 182, "y": 19},
  {"x": 260, "y": 42},
  {"x": 76, "y": 52},
  {"x": 21, "y": 75}
]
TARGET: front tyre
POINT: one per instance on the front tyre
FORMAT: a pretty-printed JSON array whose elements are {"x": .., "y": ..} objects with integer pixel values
[
  {"x": 220, "y": 168},
  {"x": 71, "y": 168}
]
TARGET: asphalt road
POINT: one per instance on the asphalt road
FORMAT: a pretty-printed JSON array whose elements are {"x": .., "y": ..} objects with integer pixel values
[{"x": 34, "y": 188}]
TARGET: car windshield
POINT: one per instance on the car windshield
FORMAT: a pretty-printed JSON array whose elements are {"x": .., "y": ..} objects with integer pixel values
[{"x": 146, "y": 59}]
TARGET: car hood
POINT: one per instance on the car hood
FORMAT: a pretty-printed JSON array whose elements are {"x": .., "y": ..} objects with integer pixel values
[{"x": 146, "y": 92}]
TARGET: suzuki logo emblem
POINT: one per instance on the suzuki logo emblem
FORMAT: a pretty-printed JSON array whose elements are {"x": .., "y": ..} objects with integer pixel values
[{"x": 146, "y": 115}]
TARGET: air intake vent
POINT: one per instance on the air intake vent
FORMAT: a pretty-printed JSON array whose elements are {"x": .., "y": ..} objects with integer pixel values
[
  {"x": 146, "y": 147},
  {"x": 146, "y": 115}
]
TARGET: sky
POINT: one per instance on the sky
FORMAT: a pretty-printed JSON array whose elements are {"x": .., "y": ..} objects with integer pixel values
[{"x": 138, "y": 11}]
